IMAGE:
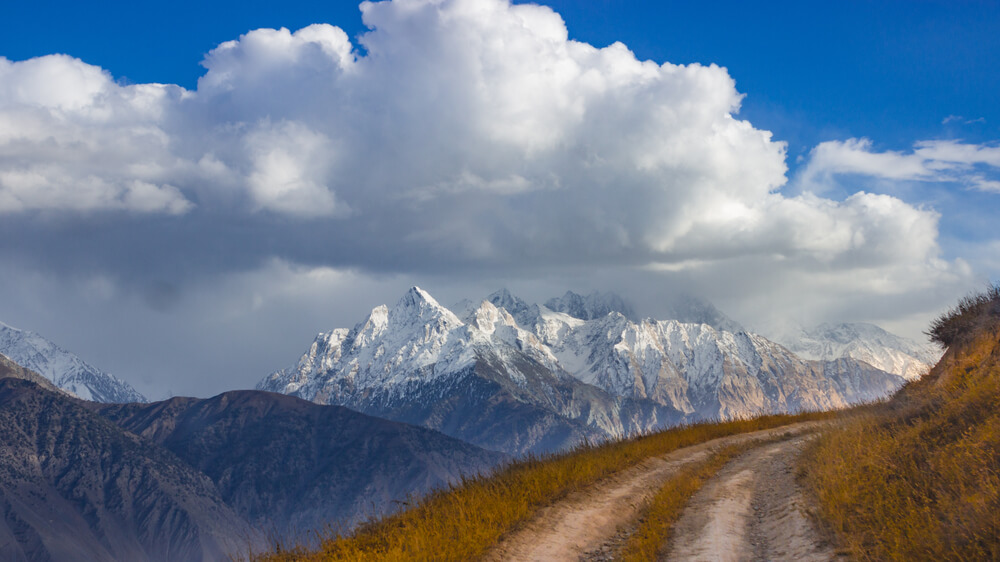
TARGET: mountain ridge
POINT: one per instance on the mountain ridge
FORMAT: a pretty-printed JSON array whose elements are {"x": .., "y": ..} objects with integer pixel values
[
  {"x": 64, "y": 369},
  {"x": 200, "y": 479},
  {"x": 603, "y": 377},
  {"x": 290, "y": 466},
  {"x": 74, "y": 486},
  {"x": 864, "y": 342}
]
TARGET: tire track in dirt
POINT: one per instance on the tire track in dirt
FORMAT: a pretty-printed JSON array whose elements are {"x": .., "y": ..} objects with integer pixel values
[
  {"x": 753, "y": 509},
  {"x": 582, "y": 521}
]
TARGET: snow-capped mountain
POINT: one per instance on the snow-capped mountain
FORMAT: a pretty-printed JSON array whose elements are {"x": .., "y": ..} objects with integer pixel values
[
  {"x": 590, "y": 307},
  {"x": 864, "y": 342},
  {"x": 693, "y": 310},
  {"x": 484, "y": 379},
  {"x": 521, "y": 377},
  {"x": 703, "y": 372},
  {"x": 65, "y": 370}
]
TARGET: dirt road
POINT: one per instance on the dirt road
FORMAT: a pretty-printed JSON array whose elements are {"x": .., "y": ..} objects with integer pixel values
[
  {"x": 578, "y": 526},
  {"x": 752, "y": 510}
]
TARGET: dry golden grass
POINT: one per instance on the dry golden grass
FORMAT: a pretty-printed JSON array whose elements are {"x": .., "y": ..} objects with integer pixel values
[
  {"x": 461, "y": 523},
  {"x": 664, "y": 509},
  {"x": 919, "y": 477}
]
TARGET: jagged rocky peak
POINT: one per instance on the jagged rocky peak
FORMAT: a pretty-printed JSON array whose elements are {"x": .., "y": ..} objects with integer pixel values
[
  {"x": 373, "y": 326},
  {"x": 66, "y": 370},
  {"x": 695, "y": 310},
  {"x": 488, "y": 316},
  {"x": 418, "y": 304},
  {"x": 504, "y": 299},
  {"x": 526, "y": 315},
  {"x": 414, "y": 310},
  {"x": 594, "y": 305}
]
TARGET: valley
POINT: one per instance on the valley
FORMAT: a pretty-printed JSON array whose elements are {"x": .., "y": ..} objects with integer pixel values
[{"x": 491, "y": 280}]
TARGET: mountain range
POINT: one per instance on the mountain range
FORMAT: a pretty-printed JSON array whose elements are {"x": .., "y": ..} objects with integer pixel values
[
  {"x": 864, "y": 342},
  {"x": 111, "y": 477},
  {"x": 519, "y": 377},
  {"x": 76, "y": 487},
  {"x": 64, "y": 369},
  {"x": 199, "y": 479},
  {"x": 289, "y": 466}
]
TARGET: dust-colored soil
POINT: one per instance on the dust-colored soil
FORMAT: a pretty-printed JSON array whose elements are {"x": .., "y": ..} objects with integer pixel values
[
  {"x": 578, "y": 525},
  {"x": 753, "y": 509}
]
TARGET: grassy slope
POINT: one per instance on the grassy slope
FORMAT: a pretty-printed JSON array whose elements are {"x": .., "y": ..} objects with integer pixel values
[
  {"x": 463, "y": 522},
  {"x": 918, "y": 478}
]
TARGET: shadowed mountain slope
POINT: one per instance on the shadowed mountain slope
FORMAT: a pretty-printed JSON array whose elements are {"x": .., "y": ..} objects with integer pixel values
[
  {"x": 11, "y": 369},
  {"x": 74, "y": 486},
  {"x": 289, "y": 465}
]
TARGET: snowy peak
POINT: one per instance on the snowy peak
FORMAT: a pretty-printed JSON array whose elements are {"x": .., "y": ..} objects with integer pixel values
[
  {"x": 369, "y": 330},
  {"x": 507, "y": 354},
  {"x": 592, "y": 306},
  {"x": 65, "y": 370},
  {"x": 693, "y": 310},
  {"x": 416, "y": 341},
  {"x": 864, "y": 342},
  {"x": 487, "y": 317},
  {"x": 417, "y": 297},
  {"x": 418, "y": 305},
  {"x": 526, "y": 315},
  {"x": 504, "y": 299}
]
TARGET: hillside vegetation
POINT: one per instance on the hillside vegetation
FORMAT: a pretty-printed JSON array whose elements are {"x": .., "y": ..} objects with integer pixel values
[
  {"x": 918, "y": 478},
  {"x": 463, "y": 522}
]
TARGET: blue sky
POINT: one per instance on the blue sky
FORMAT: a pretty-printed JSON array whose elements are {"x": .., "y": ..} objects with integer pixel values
[
  {"x": 213, "y": 226},
  {"x": 812, "y": 71}
]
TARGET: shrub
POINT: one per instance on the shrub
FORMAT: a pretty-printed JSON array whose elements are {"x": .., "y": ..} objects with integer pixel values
[{"x": 973, "y": 313}]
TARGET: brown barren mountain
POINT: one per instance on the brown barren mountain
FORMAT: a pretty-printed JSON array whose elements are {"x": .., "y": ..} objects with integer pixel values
[
  {"x": 292, "y": 466},
  {"x": 73, "y": 486}
]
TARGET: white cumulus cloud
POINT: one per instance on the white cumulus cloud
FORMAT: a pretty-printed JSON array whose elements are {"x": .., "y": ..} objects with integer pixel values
[
  {"x": 974, "y": 165},
  {"x": 73, "y": 140},
  {"x": 459, "y": 135}
]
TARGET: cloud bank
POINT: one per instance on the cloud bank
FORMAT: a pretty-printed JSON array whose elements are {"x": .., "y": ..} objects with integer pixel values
[{"x": 458, "y": 137}]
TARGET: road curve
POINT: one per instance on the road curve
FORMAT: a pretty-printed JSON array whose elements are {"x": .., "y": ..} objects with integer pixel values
[{"x": 581, "y": 522}]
